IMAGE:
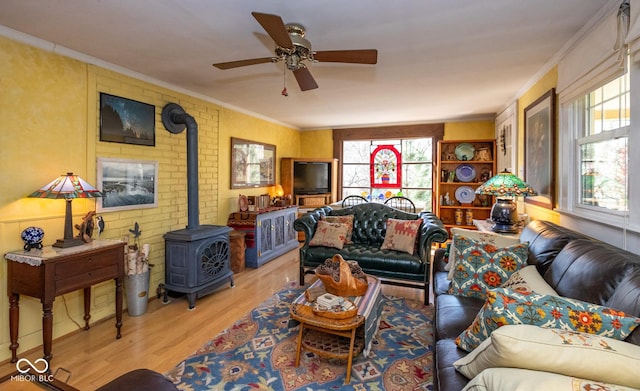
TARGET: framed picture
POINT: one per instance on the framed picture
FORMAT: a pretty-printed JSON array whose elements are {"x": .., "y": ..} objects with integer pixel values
[
  {"x": 539, "y": 149},
  {"x": 127, "y": 121},
  {"x": 127, "y": 184},
  {"x": 252, "y": 164}
]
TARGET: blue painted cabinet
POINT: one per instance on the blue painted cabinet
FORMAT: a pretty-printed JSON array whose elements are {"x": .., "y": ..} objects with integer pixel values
[{"x": 269, "y": 233}]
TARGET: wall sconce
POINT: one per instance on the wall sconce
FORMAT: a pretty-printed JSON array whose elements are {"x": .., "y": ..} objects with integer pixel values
[{"x": 67, "y": 187}]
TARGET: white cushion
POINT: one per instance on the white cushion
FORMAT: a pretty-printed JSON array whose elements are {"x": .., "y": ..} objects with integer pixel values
[
  {"x": 564, "y": 352},
  {"x": 489, "y": 237},
  {"x": 515, "y": 379},
  {"x": 529, "y": 280}
]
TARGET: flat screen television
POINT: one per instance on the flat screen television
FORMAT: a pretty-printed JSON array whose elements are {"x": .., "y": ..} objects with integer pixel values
[{"x": 311, "y": 178}]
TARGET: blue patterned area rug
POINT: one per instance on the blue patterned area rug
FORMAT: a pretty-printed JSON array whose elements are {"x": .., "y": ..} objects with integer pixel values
[{"x": 258, "y": 353}]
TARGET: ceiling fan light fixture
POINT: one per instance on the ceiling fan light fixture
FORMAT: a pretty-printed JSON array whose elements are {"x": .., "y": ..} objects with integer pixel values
[
  {"x": 292, "y": 48},
  {"x": 293, "y": 62}
]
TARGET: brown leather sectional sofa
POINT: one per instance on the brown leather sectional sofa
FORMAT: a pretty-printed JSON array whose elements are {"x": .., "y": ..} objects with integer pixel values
[{"x": 573, "y": 264}]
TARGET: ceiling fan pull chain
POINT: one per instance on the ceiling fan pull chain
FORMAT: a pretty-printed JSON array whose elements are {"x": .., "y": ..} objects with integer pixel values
[{"x": 284, "y": 81}]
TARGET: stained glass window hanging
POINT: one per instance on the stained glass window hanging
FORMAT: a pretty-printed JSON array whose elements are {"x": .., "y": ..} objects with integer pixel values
[{"x": 386, "y": 167}]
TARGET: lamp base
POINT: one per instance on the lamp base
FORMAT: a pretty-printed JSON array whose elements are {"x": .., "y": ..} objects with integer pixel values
[
  {"x": 504, "y": 228},
  {"x": 64, "y": 243},
  {"x": 504, "y": 216}
]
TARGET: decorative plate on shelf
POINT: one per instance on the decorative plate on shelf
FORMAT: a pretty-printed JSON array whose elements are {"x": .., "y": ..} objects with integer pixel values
[
  {"x": 465, "y": 151},
  {"x": 465, "y": 194},
  {"x": 243, "y": 203},
  {"x": 465, "y": 173}
]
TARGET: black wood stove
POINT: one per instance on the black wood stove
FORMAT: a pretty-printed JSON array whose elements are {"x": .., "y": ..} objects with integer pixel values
[{"x": 197, "y": 258}]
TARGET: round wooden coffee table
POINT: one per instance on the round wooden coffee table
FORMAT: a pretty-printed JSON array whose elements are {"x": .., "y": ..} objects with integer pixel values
[{"x": 333, "y": 338}]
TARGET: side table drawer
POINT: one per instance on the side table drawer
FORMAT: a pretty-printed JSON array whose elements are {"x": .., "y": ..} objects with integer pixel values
[
  {"x": 76, "y": 272},
  {"x": 90, "y": 277}
]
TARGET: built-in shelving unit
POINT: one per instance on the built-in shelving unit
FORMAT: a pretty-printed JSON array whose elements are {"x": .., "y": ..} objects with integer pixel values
[{"x": 461, "y": 167}]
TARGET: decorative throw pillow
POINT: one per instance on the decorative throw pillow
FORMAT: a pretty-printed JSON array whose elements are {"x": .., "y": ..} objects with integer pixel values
[
  {"x": 509, "y": 379},
  {"x": 401, "y": 235},
  {"x": 329, "y": 235},
  {"x": 504, "y": 306},
  {"x": 346, "y": 220},
  {"x": 560, "y": 351},
  {"x": 529, "y": 280},
  {"x": 489, "y": 237},
  {"x": 480, "y": 266}
]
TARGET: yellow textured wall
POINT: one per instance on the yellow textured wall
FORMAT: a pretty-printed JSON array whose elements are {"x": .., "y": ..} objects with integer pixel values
[
  {"x": 546, "y": 82},
  {"x": 50, "y": 107},
  {"x": 235, "y": 124},
  {"x": 469, "y": 130},
  {"x": 43, "y": 134},
  {"x": 316, "y": 144}
]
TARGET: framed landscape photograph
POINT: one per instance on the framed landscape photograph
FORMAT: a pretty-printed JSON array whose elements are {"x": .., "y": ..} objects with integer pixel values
[
  {"x": 252, "y": 164},
  {"x": 539, "y": 149},
  {"x": 127, "y": 121},
  {"x": 126, "y": 184}
]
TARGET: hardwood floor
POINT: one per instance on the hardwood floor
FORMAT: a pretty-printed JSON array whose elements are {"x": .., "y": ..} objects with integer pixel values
[{"x": 167, "y": 333}]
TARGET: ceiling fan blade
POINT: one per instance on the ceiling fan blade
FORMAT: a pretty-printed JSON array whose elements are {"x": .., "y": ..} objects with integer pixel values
[
  {"x": 366, "y": 56},
  {"x": 242, "y": 63},
  {"x": 274, "y": 26},
  {"x": 305, "y": 79}
]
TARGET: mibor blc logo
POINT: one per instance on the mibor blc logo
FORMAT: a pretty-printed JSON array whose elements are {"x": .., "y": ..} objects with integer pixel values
[{"x": 37, "y": 370}]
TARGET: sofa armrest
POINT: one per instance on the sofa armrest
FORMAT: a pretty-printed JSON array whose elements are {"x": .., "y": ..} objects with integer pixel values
[
  {"x": 432, "y": 231},
  {"x": 439, "y": 260},
  {"x": 309, "y": 221}
]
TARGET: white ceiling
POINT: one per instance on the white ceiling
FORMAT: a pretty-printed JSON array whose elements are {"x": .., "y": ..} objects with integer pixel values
[{"x": 438, "y": 60}]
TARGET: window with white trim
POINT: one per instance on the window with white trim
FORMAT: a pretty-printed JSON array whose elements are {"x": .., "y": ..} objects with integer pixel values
[
  {"x": 602, "y": 122},
  {"x": 597, "y": 176}
]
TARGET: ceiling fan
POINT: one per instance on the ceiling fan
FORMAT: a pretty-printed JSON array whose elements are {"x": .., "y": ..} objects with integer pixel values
[{"x": 293, "y": 49}]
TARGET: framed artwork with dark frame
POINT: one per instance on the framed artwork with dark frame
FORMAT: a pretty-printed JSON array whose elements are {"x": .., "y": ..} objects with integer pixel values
[
  {"x": 252, "y": 164},
  {"x": 127, "y": 121},
  {"x": 539, "y": 149},
  {"x": 126, "y": 184}
]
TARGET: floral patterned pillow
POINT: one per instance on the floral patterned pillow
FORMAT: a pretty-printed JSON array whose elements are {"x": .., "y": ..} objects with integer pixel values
[
  {"x": 401, "y": 235},
  {"x": 329, "y": 235},
  {"x": 504, "y": 306},
  {"x": 346, "y": 220},
  {"x": 489, "y": 237},
  {"x": 481, "y": 265}
]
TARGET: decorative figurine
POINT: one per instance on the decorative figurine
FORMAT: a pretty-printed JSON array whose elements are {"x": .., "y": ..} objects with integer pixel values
[
  {"x": 100, "y": 225},
  {"x": 86, "y": 228},
  {"x": 136, "y": 235},
  {"x": 447, "y": 199},
  {"x": 32, "y": 237}
]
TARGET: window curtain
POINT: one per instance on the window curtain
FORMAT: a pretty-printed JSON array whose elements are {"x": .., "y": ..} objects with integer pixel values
[
  {"x": 599, "y": 56},
  {"x": 633, "y": 37}
]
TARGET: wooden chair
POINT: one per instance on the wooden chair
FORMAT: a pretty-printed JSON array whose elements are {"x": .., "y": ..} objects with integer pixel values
[
  {"x": 353, "y": 200},
  {"x": 402, "y": 203}
]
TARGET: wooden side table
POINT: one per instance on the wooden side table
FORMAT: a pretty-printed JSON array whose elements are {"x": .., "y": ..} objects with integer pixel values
[
  {"x": 51, "y": 272},
  {"x": 332, "y": 346},
  {"x": 339, "y": 338}
]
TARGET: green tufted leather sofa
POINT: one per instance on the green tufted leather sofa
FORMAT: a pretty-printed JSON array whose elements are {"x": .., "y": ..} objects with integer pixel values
[{"x": 369, "y": 228}]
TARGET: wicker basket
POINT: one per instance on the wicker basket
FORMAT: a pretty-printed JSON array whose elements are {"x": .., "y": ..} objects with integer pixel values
[{"x": 337, "y": 314}]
